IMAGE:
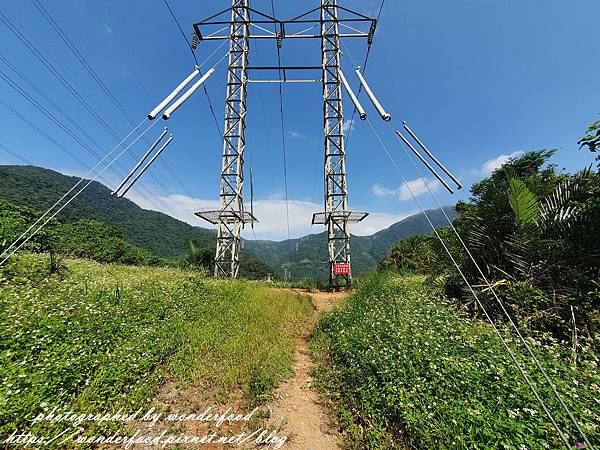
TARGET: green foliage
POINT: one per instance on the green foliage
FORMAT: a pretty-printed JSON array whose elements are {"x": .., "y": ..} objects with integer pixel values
[
  {"x": 526, "y": 223},
  {"x": 252, "y": 268},
  {"x": 405, "y": 369},
  {"x": 14, "y": 220},
  {"x": 523, "y": 202},
  {"x": 92, "y": 239},
  {"x": 592, "y": 139},
  {"x": 412, "y": 254},
  {"x": 105, "y": 336},
  {"x": 199, "y": 257},
  {"x": 422, "y": 254}
]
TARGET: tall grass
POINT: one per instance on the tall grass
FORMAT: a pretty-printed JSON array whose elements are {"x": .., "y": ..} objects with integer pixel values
[
  {"x": 104, "y": 336},
  {"x": 405, "y": 369}
]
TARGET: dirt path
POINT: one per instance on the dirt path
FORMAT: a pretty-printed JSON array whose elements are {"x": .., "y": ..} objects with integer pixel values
[
  {"x": 295, "y": 411},
  {"x": 296, "y": 403}
]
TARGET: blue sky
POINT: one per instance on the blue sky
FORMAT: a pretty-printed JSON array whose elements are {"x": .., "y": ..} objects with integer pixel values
[{"x": 477, "y": 81}]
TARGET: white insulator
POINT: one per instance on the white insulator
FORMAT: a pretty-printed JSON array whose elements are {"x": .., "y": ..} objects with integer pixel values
[
  {"x": 156, "y": 111},
  {"x": 382, "y": 112},
  {"x": 141, "y": 161},
  {"x": 361, "y": 111},
  {"x": 148, "y": 164},
  {"x": 171, "y": 109}
]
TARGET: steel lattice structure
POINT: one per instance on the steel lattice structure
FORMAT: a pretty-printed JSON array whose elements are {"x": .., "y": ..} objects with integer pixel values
[
  {"x": 231, "y": 201},
  {"x": 336, "y": 190},
  {"x": 231, "y": 216}
]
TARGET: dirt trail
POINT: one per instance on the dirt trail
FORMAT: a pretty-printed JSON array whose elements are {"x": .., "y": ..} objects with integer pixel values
[
  {"x": 296, "y": 403},
  {"x": 295, "y": 411}
]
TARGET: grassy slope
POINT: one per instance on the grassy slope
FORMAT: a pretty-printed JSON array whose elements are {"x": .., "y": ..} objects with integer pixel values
[
  {"x": 106, "y": 335},
  {"x": 404, "y": 368}
]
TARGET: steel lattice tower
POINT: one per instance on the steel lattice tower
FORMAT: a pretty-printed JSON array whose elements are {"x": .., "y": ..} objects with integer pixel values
[
  {"x": 231, "y": 201},
  {"x": 336, "y": 191},
  {"x": 231, "y": 217}
]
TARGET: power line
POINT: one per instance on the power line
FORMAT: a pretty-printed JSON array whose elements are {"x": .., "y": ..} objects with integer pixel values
[
  {"x": 364, "y": 68},
  {"x": 40, "y": 131},
  {"x": 47, "y": 113},
  {"x": 283, "y": 146},
  {"x": 46, "y": 63},
  {"x": 251, "y": 158},
  {"x": 42, "y": 94},
  {"x": 500, "y": 303},
  {"x": 73, "y": 48},
  {"x": 267, "y": 134},
  {"x": 67, "y": 152},
  {"x": 72, "y": 198},
  {"x": 189, "y": 44},
  {"x": 72, "y": 188},
  {"x": 143, "y": 88},
  {"x": 69, "y": 87},
  {"x": 480, "y": 304},
  {"x": 59, "y": 124},
  {"x": 15, "y": 154}
]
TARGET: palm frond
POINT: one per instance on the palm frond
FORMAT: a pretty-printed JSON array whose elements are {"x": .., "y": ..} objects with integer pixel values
[
  {"x": 523, "y": 202},
  {"x": 556, "y": 210}
]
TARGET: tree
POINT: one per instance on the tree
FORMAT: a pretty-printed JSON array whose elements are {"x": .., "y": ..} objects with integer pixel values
[
  {"x": 94, "y": 239},
  {"x": 199, "y": 257},
  {"x": 535, "y": 234},
  {"x": 15, "y": 220},
  {"x": 592, "y": 139},
  {"x": 412, "y": 254}
]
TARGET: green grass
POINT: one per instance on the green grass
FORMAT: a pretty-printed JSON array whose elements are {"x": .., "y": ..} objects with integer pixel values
[
  {"x": 105, "y": 336},
  {"x": 405, "y": 369}
]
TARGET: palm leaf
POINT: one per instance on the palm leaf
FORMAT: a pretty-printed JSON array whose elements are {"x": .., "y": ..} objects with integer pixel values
[
  {"x": 556, "y": 210},
  {"x": 523, "y": 202}
]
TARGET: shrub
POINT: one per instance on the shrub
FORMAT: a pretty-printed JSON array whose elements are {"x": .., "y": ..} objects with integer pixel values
[
  {"x": 405, "y": 369},
  {"x": 92, "y": 239}
]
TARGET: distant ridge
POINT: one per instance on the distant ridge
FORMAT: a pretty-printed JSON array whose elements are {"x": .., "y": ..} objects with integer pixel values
[
  {"x": 163, "y": 235},
  {"x": 309, "y": 253}
]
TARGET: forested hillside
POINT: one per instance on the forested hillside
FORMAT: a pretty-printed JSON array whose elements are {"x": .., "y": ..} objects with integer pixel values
[
  {"x": 164, "y": 236},
  {"x": 158, "y": 233},
  {"x": 309, "y": 253}
]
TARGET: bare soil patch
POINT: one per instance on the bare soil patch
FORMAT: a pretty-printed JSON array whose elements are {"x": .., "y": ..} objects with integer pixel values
[{"x": 295, "y": 402}]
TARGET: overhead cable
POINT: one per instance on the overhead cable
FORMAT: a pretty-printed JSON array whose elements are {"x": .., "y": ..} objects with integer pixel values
[
  {"x": 74, "y": 196},
  {"x": 505, "y": 312},
  {"x": 480, "y": 304}
]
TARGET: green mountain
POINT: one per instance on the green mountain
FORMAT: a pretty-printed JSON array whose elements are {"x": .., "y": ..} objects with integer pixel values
[
  {"x": 162, "y": 235},
  {"x": 308, "y": 254},
  {"x": 39, "y": 188}
]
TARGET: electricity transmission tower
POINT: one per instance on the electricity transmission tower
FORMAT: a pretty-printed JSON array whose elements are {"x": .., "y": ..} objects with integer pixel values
[{"x": 231, "y": 216}]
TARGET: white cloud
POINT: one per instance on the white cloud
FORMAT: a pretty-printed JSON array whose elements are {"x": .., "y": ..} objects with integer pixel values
[
  {"x": 377, "y": 221},
  {"x": 296, "y": 134},
  {"x": 271, "y": 213},
  {"x": 489, "y": 166},
  {"x": 403, "y": 192}
]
